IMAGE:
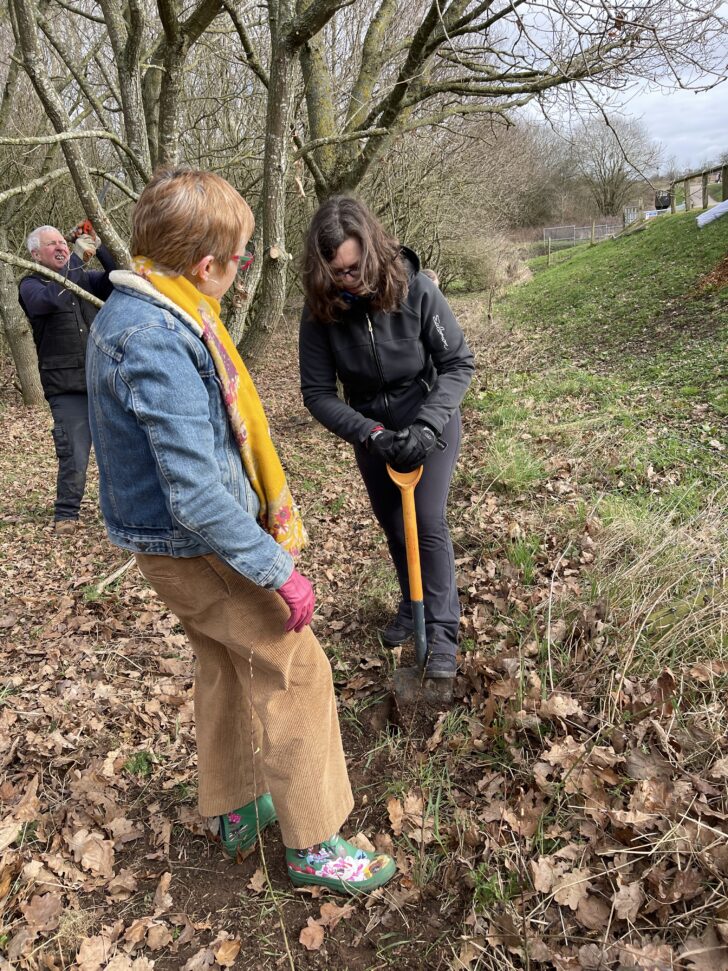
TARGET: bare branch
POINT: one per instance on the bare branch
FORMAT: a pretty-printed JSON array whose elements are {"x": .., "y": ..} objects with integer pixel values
[
  {"x": 304, "y": 149},
  {"x": 67, "y": 136},
  {"x": 27, "y": 36},
  {"x": 307, "y": 24},
  {"x": 43, "y": 271},
  {"x": 26, "y": 187},
  {"x": 81, "y": 13}
]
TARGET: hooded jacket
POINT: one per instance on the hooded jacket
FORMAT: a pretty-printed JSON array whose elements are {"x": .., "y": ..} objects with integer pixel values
[{"x": 395, "y": 367}]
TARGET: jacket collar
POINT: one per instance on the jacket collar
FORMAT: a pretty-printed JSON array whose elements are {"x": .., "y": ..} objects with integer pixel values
[{"x": 135, "y": 285}]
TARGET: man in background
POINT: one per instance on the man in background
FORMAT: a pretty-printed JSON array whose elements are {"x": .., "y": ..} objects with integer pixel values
[{"x": 60, "y": 321}]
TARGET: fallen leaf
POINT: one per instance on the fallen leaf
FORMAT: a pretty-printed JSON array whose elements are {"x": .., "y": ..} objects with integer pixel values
[
  {"x": 162, "y": 899},
  {"x": 312, "y": 935},
  {"x": 228, "y": 951},
  {"x": 362, "y": 842},
  {"x": 93, "y": 953},
  {"x": 258, "y": 882},
  {"x": 10, "y": 830},
  {"x": 396, "y": 815},
  {"x": 706, "y": 953},
  {"x": 593, "y": 958},
  {"x": 122, "y": 886},
  {"x": 204, "y": 958},
  {"x": 650, "y": 957},
  {"x": 561, "y": 706},
  {"x": 571, "y": 888},
  {"x": 331, "y": 914},
  {"x": 593, "y": 912},
  {"x": 159, "y": 935},
  {"x": 544, "y": 872},
  {"x": 43, "y": 912},
  {"x": 628, "y": 900},
  {"x": 719, "y": 769},
  {"x": 469, "y": 953}
]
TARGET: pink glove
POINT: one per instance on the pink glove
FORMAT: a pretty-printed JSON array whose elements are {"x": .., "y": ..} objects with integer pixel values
[{"x": 298, "y": 594}]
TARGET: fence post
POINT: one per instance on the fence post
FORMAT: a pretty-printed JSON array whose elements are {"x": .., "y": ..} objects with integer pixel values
[
  {"x": 548, "y": 258},
  {"x": 704, "y": 186},
  {"x": 593, "y": 232},
  {"x": 573, "y": 241},
  {"x": 672, "y": 198},
  {"x": 724, "y": 175},
  {"x": 688, "y": 201}
]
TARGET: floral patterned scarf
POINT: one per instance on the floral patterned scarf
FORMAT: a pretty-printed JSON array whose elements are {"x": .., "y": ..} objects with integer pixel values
[{"x": 278, "y": 512}]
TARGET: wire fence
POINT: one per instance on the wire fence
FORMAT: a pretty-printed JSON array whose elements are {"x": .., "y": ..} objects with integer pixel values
[
  {"x": 556, "y": 238},
  {"x": 574, "y": 235}
]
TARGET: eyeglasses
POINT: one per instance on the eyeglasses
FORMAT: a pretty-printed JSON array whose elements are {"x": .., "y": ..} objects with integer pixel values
[
  {"x": 244, "y": 260},
  {"x": 349, "y": 271}
]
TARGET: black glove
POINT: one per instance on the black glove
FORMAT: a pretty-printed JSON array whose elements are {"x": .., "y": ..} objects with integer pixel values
[
  {"x": 384, "y": 444},
  {"x": 416, "y": 443}
]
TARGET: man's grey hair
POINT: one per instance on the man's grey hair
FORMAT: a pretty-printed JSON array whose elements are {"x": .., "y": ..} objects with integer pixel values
[{"x": 33, "y": 241}]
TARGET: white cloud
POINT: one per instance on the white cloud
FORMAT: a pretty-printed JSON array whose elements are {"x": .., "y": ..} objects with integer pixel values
[{"x": 692, "y": 126}]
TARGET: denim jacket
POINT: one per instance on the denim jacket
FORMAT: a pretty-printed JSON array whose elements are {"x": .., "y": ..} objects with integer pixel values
[{"x": 171, "y": 477}]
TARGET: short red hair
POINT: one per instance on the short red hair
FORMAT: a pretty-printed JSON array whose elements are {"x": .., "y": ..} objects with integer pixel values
[{"x": 185, "y": 214}]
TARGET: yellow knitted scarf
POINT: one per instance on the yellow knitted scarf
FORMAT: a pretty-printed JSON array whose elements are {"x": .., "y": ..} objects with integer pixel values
[{"x": 278, "y": 512}]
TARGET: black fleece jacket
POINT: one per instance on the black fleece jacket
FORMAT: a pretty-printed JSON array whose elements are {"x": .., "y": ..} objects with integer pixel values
[{"x": 395, "y": 368}]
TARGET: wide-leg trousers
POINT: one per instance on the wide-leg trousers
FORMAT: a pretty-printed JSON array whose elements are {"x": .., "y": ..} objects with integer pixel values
[{"x": 265, "y": 711}]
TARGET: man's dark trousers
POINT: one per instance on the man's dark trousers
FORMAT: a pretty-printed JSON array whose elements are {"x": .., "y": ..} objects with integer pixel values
[{"x": 72, "y": 438}]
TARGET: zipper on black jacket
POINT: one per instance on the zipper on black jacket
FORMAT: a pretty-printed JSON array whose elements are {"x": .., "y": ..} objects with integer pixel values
[{"x": 381, "y": 372}]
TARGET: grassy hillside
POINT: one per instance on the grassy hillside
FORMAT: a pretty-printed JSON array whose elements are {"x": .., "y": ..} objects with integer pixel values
[
  {"x": 618, "y": 373},
  {"x": 644, "y": 295}
]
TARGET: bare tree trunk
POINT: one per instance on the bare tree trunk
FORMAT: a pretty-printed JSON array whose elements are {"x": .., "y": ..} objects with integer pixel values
[
  {"x": 269, "y": 309},
  {"x": 19, "y": 336},
  {"x": 237, "y": 321}
]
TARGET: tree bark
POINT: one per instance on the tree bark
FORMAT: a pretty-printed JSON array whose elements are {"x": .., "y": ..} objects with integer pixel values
[
  {"x": 275, "y": 258},
  {"x": 19, "y": 337},
  {"x": 126, "y": 28}
]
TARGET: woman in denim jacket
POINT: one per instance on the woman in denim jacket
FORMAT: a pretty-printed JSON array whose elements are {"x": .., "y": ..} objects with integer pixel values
[{"x": 191, "y": 482}]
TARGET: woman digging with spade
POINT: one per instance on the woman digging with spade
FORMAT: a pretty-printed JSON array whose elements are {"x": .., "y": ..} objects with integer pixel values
[
  {"x": 384, "y": 329},
  {"x": 191, "y": 482}
]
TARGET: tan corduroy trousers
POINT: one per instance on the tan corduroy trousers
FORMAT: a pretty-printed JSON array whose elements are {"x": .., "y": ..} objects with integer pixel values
[{"x": 265, "y": 712}]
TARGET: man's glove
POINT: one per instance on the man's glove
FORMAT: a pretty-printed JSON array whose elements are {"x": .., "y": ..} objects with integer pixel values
[
  {"x": 85, "y": 247},
  {"x": 416, "y": 443},
  {"x": 298, "y": 594},
  {"x": 384, "y": 444}
]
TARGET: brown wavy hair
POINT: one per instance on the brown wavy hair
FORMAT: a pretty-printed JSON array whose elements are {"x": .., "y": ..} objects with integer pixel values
[{"x": 381, "y": 269}]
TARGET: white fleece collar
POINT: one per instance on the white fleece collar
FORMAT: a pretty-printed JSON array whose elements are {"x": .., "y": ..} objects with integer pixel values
[{"x": 128, "y": 280}]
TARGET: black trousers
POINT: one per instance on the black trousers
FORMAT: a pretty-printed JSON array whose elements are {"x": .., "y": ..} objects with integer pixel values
[
  {"x": 442, "y": 608},
  {"x": 72, "y": 438}
]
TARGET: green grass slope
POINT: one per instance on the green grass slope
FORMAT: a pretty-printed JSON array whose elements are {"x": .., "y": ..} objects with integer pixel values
[{"x": 639, "y": 306}]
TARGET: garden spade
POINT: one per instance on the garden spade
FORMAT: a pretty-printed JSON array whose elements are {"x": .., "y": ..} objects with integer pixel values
[
  {"x": 410, "y": 684},
  {"x": 406, "y": 482}
]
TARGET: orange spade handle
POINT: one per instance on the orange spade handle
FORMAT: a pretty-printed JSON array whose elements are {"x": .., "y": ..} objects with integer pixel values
[{"x": 406, "y": 481}]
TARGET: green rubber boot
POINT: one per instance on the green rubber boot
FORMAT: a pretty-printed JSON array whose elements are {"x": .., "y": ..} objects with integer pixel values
[
  {"x": 239, "y": 829},
  {"x": 340, "y": 866}
]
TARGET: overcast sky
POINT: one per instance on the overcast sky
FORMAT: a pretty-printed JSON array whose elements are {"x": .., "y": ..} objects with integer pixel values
[{"x": 691, "y": 126}]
